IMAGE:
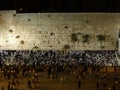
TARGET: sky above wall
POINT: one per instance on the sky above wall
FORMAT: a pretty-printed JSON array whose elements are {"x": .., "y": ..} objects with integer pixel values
[{"x": 61, "y": 5}]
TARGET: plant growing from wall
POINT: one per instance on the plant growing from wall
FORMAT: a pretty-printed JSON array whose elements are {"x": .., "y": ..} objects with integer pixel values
[
  {"x": 87, "y": 21},
  {"x": 66, "y": 47},
  {"x": 29, "y": 19},
  {"x": 39, "y": 32},
  {"x": 116, "y": 44},
  {"x": 14, "y": 15},
  {"x": 52, "y": 33},
  {"x": 22, "y": 42},
  {"x": 86, "y": 38},
  {"x": 79, "y": 33},
  {"x": 102, "y": 47},
  {"x": 17, "y": 36},
  {"x": 50, "y": 46},
  {"x": 10, "y": 30},
  {"x": 35, "y": 47},
  {"x": 101, "y": 38},
  {"x": 49, "y": 15},
  {"x": 66, "y": 27},
  {"x": 74, "y": 37},
  {"x": 58, "y": 42}
]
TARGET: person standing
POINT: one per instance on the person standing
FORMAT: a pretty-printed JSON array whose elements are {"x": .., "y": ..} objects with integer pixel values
[
  {"x": 79, "y": 83},
  {"x": 29, "y": 83},
  {"x": 2, "y": 88},
  {"x": 114, "y": 88},
  {"x": 97, "y": 85},
  {"x": 9, "y": 85}
]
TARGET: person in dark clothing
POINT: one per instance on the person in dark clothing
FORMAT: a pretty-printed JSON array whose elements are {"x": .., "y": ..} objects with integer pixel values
[
  {"x": 114, "y": 88},
  {"x": 8, "y": 75},
  {"x": 79, "y": 83},
  {"x": 49, "y": 71},
  {"x": 97, "y": 84},
  {"x": 2, "y": 88},
  {"x": 8, "y": 85},
  {"x": 29, "y": 83}
]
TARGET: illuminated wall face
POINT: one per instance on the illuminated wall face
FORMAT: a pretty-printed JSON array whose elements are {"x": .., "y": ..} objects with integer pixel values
[{"x": 58, "y": 31}]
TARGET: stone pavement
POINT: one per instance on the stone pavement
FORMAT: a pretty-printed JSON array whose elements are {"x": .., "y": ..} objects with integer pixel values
[{"x": 64, "y": 83}]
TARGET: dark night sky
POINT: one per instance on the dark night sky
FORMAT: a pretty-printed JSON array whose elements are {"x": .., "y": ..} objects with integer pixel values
[{"x": 61, "y": 5}]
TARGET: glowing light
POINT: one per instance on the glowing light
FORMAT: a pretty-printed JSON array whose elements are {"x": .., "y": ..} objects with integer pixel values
[
  {"x": 21, "y": 9},
  {"x": 11, "y": 39}
]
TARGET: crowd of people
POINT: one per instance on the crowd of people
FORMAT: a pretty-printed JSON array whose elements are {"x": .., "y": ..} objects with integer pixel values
[
  {"x": 27, "y": 64},
  {"x": 50, "y": 57}
]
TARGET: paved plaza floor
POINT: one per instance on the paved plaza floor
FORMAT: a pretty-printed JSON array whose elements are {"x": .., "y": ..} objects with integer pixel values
[{"x": 64, "y": 82}]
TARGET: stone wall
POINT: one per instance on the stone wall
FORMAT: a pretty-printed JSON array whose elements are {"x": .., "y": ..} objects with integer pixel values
[{"x": 58, "y": 31}]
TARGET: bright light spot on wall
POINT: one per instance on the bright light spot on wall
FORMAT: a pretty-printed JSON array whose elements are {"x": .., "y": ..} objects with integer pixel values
[
  {"x": 11, "y": 39},
  {"x": 21, "y": 9}
]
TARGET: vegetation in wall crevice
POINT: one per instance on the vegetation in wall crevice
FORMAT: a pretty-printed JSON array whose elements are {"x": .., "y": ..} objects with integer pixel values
[
  {"x": 74, "y": 37},
  {"x": 66, "y": 47},
  {"x": 85, "y": 38},
  {"x": 101, "y": 37},
  {"x": 22, "y": 42}
]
